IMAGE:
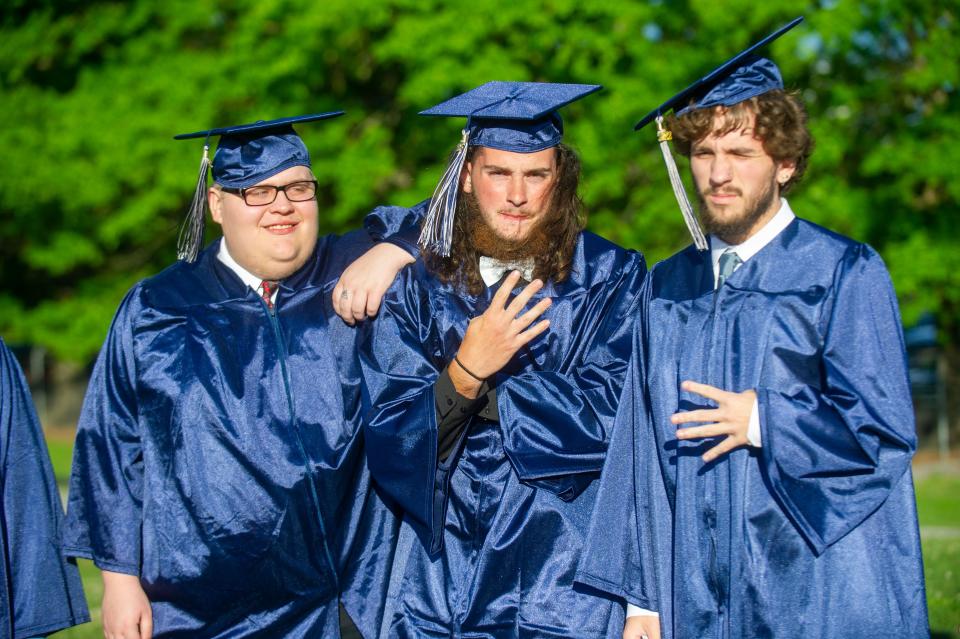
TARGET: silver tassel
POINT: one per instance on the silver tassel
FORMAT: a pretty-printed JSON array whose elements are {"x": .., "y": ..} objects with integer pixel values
[
  {"x": 664, "y": 136},
  {"x": 191, "y": 231},
  {"x": 437, "y": 234}
]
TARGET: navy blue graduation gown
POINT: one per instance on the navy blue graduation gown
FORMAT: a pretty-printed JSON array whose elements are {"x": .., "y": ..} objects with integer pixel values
[
  {"x": 40, "y": 590},
  {"x": 219, "y": 456},
  {"x": 813, "y": 535},
  {"x": 491, "y": 537}
]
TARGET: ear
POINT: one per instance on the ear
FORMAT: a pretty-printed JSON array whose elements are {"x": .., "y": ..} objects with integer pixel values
[
  {"x": 215, "y": 202},
  {"x": 466, "y": 177},
  {"x": 785, "y": 171}
]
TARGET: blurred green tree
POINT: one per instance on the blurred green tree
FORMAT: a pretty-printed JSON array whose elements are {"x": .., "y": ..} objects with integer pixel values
[{"x": 93, "y": 186}]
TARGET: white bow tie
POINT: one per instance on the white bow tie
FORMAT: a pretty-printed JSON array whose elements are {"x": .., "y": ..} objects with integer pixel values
[{"x": 492, "y": 270}]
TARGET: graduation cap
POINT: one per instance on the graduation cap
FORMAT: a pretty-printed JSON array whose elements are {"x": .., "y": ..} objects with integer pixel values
[
  {"x": 246, "y": 155},
  {"x": 520, "y": 117},
  {"x": 740, "y": 78}
]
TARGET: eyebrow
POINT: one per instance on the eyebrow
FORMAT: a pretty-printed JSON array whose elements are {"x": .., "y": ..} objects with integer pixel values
[{"x": 502, "y": 169}]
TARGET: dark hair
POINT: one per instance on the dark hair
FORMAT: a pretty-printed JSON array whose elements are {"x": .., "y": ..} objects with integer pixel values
[
  {"x": 781, "y": 124},
  {"x": 551, "y": 244}
]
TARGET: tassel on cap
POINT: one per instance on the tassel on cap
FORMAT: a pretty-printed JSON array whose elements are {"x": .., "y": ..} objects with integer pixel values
[
  {"x": 191, "y": 230},
  {"x": 437, "y": 234},
  {"x": 664, "y": 136}
]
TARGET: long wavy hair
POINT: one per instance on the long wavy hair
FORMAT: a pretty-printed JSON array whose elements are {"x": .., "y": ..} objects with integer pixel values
[
  {"x": 551, "y": 243},
  {"x": 781, "y": 124}
]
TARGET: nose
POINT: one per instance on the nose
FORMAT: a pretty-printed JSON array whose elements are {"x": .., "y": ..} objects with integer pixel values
[
  {"x": 282, "y": 205},
  {"x": 517, "y": 191},
  {"x": 720, "y": 171}
]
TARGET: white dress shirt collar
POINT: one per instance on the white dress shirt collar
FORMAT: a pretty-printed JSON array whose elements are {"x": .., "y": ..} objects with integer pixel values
[
  {"x": 248, "y": 278},
  {"x": 752, "y": 245}
]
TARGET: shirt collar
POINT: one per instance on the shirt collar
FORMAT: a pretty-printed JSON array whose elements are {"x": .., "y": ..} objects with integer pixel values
[
  {"x": 492, "y": 270},
  {"x": 248, "y": 278},
  {"x": 752, "y": 245}
]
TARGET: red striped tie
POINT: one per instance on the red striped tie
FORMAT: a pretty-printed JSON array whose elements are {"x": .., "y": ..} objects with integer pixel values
[{"x": 267, "y": 289}]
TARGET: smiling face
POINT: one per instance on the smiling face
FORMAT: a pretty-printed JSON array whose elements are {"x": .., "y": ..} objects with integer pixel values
[
  {"x": 271, "y": 241},
  {"x": 737, "y": 181},
  {"x": 513, "y": 190}
]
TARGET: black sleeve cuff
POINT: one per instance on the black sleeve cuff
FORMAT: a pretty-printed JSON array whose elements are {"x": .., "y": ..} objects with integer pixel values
[{"x": 454, "y": 412}]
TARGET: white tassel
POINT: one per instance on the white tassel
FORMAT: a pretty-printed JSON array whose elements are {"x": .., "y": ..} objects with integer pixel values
[
  {"x": 664, "y": 136},
  {"x": 437, "y": 234},
  {"x": 191, "y": 231}
]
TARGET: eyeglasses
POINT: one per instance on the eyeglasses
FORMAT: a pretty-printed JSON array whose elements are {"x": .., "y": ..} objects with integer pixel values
[{"x": 264, "y": 194}]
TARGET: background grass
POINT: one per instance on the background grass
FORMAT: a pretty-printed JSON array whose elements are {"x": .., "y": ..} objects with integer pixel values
[{"x": 938, "y": 504}]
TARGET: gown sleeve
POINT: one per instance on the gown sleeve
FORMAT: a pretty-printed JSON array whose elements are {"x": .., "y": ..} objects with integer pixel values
[
  {"x": 401, "y": 366},
  {"x": 106, "y": 484},
  {"x": 40, "y": 591},
  {"x": 556, "y": 423},
  {"x": 628, "y": 549},
  {"x": 397, "y": 225},
  {"x": 833, "y": 453}
]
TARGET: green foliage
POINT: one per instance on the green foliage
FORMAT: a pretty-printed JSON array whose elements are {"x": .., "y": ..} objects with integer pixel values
[{"x": 93, "y": 187}]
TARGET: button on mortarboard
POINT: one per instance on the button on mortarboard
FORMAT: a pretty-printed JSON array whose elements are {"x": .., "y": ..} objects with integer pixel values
[{"x": 246, "y": 155}]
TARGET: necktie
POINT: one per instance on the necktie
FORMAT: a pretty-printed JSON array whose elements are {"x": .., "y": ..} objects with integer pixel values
[
  {"x": 267, "y": 289},
  {"x": 729, "y": 261}
]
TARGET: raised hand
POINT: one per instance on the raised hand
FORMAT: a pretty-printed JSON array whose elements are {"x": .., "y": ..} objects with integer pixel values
[
  {"x": 494, "y": 337},
  {"x": 731, "y": 417}
]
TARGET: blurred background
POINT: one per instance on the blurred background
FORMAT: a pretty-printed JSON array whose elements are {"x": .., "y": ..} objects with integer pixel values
[{"x": 93, "y": 187}]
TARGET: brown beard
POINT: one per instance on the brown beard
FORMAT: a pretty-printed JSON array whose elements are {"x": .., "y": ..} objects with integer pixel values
[
  {"x": 735, "y": 231},
  {"x": 488, "y": 243}
]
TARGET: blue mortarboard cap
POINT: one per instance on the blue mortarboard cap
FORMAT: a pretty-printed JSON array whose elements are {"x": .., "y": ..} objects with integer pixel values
[
  {"x": 246, "y": 154},
  {"x": 740, "y": 78},
  {"x": 513, "y": 116},
  {"x": 250, "y": 153},
  {"x": 520, "y": 117}
]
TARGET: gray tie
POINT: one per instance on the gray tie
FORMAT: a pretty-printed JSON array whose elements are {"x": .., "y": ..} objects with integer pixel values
[{"x": 729, "y": 261}]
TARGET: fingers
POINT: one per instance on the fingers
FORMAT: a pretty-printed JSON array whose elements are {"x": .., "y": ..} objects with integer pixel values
[
  {"x": 525, "y": 337},
  {"x": 530, "y": 316},
  {"x": 705, "y": 390},
  {"x": 146, "y": 625},
  {"x": 702, "y": 415},
  {"x": 342, "y": 303},
  {"x": 358, "y": 305},
  {"x": 373, "y": 302},
  {"x": 500, "y": 297},
  {"x": 520, "y": 301},
  {"x": 722, "y": 448},
  {"x": 699, "y": 432}
]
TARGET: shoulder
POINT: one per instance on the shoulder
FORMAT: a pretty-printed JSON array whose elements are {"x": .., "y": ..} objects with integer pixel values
[
  {"x": 820, "y": 248},
  {"x": 598, "y": 259}
]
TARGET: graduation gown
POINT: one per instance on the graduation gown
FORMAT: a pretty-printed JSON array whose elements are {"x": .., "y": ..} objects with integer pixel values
[
  {"x": 815, "y": 533},
  {"x": 491, "y": 537},
  {"x": 40, "y": 590},
  {"x": 219, "y": 455}
]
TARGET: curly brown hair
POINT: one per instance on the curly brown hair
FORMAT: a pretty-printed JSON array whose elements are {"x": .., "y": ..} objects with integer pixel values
[
  {"x": 781, "y": 125},
  {"x": 551, "y": 243}
]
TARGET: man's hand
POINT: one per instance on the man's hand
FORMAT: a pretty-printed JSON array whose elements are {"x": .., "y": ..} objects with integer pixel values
[
  {"x": 126, "y": 609},
  {"x": 360, "y": 289},
  {"x": 642, "y": 627},
  {"x": 493, "y": 338},
  {"x": 731, "y": 417}
]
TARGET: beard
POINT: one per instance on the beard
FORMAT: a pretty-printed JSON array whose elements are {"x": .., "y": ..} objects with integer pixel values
[
  {"x": 486, "y": 242},
  {"x": 735, "y": 229}
]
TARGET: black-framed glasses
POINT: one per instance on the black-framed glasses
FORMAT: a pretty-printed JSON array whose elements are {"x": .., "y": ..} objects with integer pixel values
[{"x": 263, "y": 194}]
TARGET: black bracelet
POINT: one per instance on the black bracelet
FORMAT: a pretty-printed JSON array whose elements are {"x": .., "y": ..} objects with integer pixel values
[{"x": 467, "y": 370}]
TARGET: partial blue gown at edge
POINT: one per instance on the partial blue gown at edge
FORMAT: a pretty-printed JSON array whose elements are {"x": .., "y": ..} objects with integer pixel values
[
  {"x": 219, "y": 456},
  {"x": 814, "y": 535},
  {"x": 40, "y": 590},
  {"x": 491, "y": 538}
]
